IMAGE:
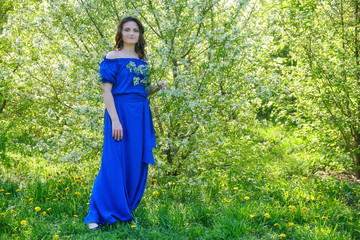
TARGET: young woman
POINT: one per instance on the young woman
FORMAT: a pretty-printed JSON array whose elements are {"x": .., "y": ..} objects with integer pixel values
[{"x": 129, "y": 134}]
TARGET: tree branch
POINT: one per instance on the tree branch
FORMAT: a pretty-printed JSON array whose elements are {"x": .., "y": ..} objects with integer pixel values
[
  {"x": 3, "y": 15},
  {"x": 92, "y": 20},
  {"x": 3, "y": 106}
]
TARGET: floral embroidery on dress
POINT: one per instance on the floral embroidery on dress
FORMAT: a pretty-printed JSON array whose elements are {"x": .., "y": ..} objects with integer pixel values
[{"x": 142, "y": 73}]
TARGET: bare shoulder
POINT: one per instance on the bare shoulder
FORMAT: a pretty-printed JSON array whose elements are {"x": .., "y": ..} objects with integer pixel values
[
  {"x": 121, "y": 54},
  {"x": 113, "y": 54}
]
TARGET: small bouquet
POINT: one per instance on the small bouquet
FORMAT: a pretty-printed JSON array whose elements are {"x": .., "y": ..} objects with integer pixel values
[{"x": 142, "y": 72}]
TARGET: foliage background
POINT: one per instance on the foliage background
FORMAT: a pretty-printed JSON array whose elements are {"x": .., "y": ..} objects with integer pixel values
[{"x": 255, "y": 87}]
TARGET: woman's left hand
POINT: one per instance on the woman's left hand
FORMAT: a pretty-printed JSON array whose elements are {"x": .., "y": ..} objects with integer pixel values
[{"x": 162, "y": 84}]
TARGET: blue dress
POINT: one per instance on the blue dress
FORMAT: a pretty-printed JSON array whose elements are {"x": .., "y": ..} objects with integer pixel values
[{"x": 120, "y": 183}]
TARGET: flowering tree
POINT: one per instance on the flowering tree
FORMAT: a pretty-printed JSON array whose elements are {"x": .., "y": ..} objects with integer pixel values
[
  {"x": 321, "y": 69},
  {"x": 198, "y": 47}
]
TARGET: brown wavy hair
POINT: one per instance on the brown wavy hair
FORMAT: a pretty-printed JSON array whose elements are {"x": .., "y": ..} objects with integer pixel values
[{"x": 140, "y": 45}]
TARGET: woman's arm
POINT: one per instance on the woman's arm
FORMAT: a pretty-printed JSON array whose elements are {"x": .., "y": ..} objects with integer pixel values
[
  {"x": 117, "y": 131},
  {"x": 160, "y": 85}
]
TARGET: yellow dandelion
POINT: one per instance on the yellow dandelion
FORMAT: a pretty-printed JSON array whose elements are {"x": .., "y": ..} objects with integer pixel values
[
  {"x": 236, "y": 188},
  {"x": 282, "y": 235},
  {"x": 322, "y": 203},
  {"x": 7, "y": 193},
  {"x": 226, "y": 201},
  {"x": 88, "y": 203},
  {"x": 63, "y": 198},
  {"x": 151, "y": 185},
  {"x": 246, "y": 198},
  {"x": 54, "y": 199},
  {"x": 323, "y": 230},
  {"x": 56, "y": 237},
  {"x": 327, "y": 188},
  {"x": 267, "y": 215},
  {"x": 291, "y": 224},
  {"x": 133, "y": 226},
  {"x": 59, "y": 181},
  {"x": 30, "y": 199},
  {"x": 23, "y": 222},
  {"x": 155, "y": 193},
  {"x": 224, "y": 185},
  {"x": 12, "y": 211},
  {"x": 202, "y": 200},
  {"x": 1, "y": 190},
  {"x": 243, "y": 177},
  {"x": 164, "y": 190},
  {"x": 47, "y": 198},
  {"x": 37, "y": 209},
  {"x": 286, "y": 193},
  {"x": 304, "y": 178},
  {"x": 18, "y": 190},
  {"x": 317, "y": 216},
  {"x": 276, "y": 224},
  {"x": 67, "y": 189},
  {"x": 251, "y": 216},
  {"x": 76, "y": 216},
  {"x": 44, "y": 213},
  {"x": 77, "y": 193},
  {"x": 292, "y": 208},
  {"x": 154, "y": 180},
  {"x": 324, "y": 217},
  {"x": 72, "y": 177},
  {"x": 49, "y": 209},
  {"x": 77, "y": 180},
  {"x": 3, "y": 214},
  {"x": 320, "y": 193}
]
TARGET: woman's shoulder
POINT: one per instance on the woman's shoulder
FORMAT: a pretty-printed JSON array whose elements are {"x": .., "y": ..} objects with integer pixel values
[{"x": 115, "y": 56}]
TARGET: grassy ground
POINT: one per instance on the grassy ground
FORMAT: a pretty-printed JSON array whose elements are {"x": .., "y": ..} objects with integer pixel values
[{"x": 272, "y": 192}]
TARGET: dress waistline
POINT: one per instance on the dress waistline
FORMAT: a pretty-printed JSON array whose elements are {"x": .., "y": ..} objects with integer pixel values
[{"x": 129, "y": 97}]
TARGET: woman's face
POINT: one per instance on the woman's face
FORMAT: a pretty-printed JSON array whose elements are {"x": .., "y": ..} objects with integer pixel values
[{"x": 130, "y": 33}]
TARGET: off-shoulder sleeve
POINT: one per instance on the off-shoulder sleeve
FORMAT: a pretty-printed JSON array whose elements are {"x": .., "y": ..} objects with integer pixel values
[{"x": 107, "y": 72}]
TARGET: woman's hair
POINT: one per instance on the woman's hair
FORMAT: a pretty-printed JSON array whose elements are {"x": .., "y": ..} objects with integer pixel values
[{"x": 140, "y": 45}]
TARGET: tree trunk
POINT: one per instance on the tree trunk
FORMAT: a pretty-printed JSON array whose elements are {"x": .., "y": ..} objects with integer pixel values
[
  {"x": 357, "y": 76},
  {"x": 357, "y": 165}
]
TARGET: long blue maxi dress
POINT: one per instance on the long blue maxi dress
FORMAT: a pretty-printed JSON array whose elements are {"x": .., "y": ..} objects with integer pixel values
[{"x": 120, "y": 183}]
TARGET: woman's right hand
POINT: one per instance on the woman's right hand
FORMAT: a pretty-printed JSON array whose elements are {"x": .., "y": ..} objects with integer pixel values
[{"x": 117, "y": 130}]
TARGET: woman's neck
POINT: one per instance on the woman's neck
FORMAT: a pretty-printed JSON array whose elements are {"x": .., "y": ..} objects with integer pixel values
[{"x": 128, "y": 49}]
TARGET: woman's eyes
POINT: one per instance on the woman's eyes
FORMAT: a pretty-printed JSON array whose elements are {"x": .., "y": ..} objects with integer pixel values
[{"x": 128, "y": 30}]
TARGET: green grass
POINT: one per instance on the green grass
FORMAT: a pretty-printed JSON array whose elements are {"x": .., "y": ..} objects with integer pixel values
[{"x": 276, "y": 173}]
